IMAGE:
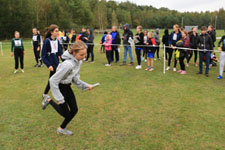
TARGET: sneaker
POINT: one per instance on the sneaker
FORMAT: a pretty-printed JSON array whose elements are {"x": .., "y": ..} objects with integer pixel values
[
  {"x": 179, "y": 71},
  {"x": 131, "y": 64},
  {"x": 154, "y": 59},
  {"x": 219, "y": 77},
  {"x": 168, "y": 68},
  {"x": 138, "y": 67},
  {"x": 183, "y": 72},
  {"x": 36, "y": 65},
  {"x": 15, "y": 71},
  {"x": 142, "y": 58},
  {"x": 145, "y": 60},
  {"x": 124, "y": 63},
  {"x": 64, "y": 132},
  {"x": 207, "y": 75},
  {"x": 107, "y": 65},
  {"x": 22, "y": 70},
  {"x": 174, "y": 69},
  {"x": 151, "y": 69},
  {"x": 42, "y": 65},
  {"x": 147, "y": 69},
  {"x": 45, "y": 102}
]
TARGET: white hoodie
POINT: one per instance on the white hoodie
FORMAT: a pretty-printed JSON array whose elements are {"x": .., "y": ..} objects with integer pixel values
[{"x": 67, "y": 72}]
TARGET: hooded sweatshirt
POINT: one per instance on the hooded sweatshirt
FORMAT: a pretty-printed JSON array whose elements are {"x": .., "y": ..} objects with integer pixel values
[
  {"x": 91, "y": 36},
  {"x": 157, "y": 37},
  {"x": 67, "y": 72},
  {"x": 127, "y": 34}
]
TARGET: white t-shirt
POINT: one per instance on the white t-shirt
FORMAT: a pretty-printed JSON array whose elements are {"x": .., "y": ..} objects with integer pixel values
[
  {"x": 34, "y": 38},
  {"x": 174, "y": 37},
  {"x": 54, "y": 46}
]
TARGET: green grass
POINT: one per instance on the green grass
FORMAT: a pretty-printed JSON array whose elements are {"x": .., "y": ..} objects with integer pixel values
[{"x": 131, "y": 110}]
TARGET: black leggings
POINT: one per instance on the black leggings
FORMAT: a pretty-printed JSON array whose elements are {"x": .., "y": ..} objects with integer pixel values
[
  {"x": 62, "y": 109},
  {"x": 145, "y": 52},
  {"x": 191, "y": 54},
  {"x": 115, "y": 50},
  {"x": 48, "y": 86},
  {"x": 170, "y": 51},
  {"x": 167, "y": 51},
  {"x": 37, "y": 54},
  {"x": 157, "y": 50},
  {"x": 138, "y": 53},
  {"x": 108, "y": 56},
  {"x": 182, "y": 65},
  {"x": 90, "y": 51},
  {"x": 18, "y": 54}
]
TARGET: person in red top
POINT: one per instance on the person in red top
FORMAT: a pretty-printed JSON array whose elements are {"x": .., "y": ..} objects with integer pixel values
[
  {"x": 183, "y": 52},
  {"x": 150, "y": 51}
]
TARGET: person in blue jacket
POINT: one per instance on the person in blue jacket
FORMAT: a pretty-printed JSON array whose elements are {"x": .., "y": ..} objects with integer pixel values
[
  {"x": 102, "y": 49},
  {"x": 173, "y": 38},
  {"x": 51, "y": 53}
]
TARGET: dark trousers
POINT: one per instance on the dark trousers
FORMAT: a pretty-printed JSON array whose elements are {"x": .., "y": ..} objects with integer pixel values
[
  {"x": 182, "y": 65},
  {"x": 102, "y": 49},
  {"x": 138, "y": 53},
  {"x": 175, "y": 61},
  {"x": 108, "y": 56},
  {"x": 68, "y": 109},
  {"x": 201, "y": 57},
  {"x": 90, "y": 51},
  {"x": 37, "y": 54},
  {"x": 191, "y": 54},
  {"x": 170, "y": 51},
  {"x": 145, "y": 50},
  {"x": 167, "y": 52},
  {"x": 18, "y": 55},
  {"x": 47, "y": 88},
  {"x": 115, "y": 50},
  {"x": 157, "y": 50}
]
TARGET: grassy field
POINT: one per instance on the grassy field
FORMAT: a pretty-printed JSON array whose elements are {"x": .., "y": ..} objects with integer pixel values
[{"x": 131, "y": 110}]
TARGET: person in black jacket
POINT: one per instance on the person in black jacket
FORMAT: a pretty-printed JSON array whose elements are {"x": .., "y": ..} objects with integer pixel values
[
  {"x": 127, "y": 41},
  {"x": 36, "y": 46},
  {"x": 165, "y": 41},
  {"x": 65, "y": 40},
  {"x": 90, "y": 49},
  {"x": 212, "y": 34},
  {"x": 204, "y": 44},
  {"x": 115, "y": 40},
  {"x": 139, "y": 40},
  {"x": 73, "y": 37},
  {"x": 84, "y": 35},
  {"x": 193, "y": 45}
]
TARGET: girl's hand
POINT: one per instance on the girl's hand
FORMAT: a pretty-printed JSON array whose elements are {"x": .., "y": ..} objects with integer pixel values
[
  {"x": 11, "y": 53},
  {"x": 38, "y": 48},
  {"x": 90, "y": 87},
  {"x": 51, "y": 68}
]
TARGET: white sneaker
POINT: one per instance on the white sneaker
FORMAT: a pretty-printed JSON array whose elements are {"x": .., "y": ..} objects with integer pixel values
[
  {"x": 168, "y": 68},
  {"x": 15, "y": 71},
  {"x": 107, "y": 65},
  {"x": 174, "y": 69},
  {"x": 142, "y": 58},
  {"x": 22, "y": 70},
  {"x": 138, "y": 67},
  {"x": 145, "y": 60}
]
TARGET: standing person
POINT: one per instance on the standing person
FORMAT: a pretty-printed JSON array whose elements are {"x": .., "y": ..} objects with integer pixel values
[
  {"x": 139, "y": 40},
  {"x": 165, "y": 41},
  {"x": 108, "y": 49},
  {"x": 150, "y": 51},
  {"x": 185, "y": 43},
  {"x": 157, "y": 40},
  {"x": 145, "y": 47},
  {"x": 17, "y": 50},
  {"x": 116, "y": 41},
  {"x": 66, "y": 40},
  {"x": 222, "y": 56},
  {"x": 73, "y": 37},
  {"x": 102, "y": 49},
  {"x": 193, "y": 45},
  {"x": 90, "y": 49},
  {"x": 212, "y": 34},
  {"x": 51, "y": 53},
  {"x": 127, "y": 41},
  {"x": 204, "y": 44},
  {"x": 84, "y": 35},
  {"x": 68, "y": 72},
  {"x": 36, "y": 47},
  {"x": 173, "y": 38}
]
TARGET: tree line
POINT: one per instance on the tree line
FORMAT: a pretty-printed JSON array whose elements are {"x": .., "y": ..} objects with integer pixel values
[{"x": 23, "y": 15}]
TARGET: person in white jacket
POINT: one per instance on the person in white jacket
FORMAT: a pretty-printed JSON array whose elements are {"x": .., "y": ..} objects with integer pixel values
[{"x": 67, "y": 72}]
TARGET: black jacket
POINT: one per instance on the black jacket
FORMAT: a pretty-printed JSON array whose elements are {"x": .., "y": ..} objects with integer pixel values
[
  {"x": 223, "y": 43},
  {"x": 165, "y": 39},
  {"x": 117, "y": 39},
  {"x": 91, "y": 37},
  {"x": 127, "y": 34},
  {"x": 212, "y": 34},
  {"x": 193, "y": 40},
  {"x": 140, "y": 38},
  {"x": 83, "y": 35},
  {"x": 205, "y": 42}
]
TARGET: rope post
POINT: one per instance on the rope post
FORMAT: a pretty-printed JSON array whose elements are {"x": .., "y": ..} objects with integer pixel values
[
  {"x": 1, "y": 48},
  {"x": 164, "y": 59}
]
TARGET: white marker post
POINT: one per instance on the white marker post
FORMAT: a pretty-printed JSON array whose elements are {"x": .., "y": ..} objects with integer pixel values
[{"x": 164, "y": 58}]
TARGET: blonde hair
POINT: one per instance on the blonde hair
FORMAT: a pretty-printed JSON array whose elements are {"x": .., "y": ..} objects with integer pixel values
[
  {"x": 77, "y": 46},
  {"x": 177, "y": 26},
  {"x": 140, "y": 27}
]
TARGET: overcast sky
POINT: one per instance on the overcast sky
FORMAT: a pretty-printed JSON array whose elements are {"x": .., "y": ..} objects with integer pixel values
[{"x": 182, "y": 5}]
